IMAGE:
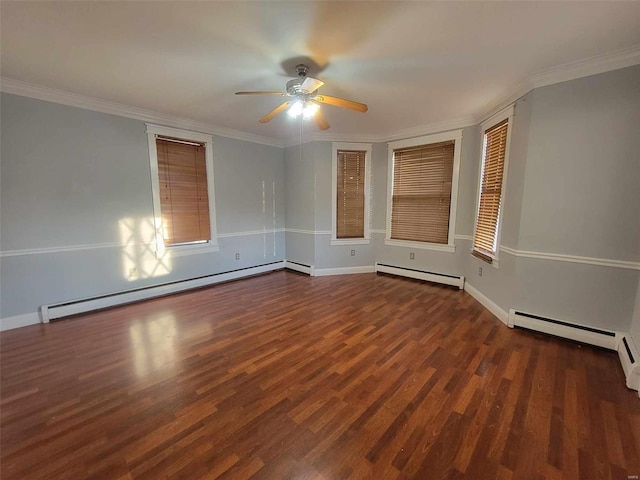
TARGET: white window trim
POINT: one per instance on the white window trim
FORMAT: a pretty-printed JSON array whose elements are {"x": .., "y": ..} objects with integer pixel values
[
  {"x": 363, "y": 147},
  {"x": 186, "y": 249},
  {"x": 506, "y": 113},
  {"x": 456, "y": 136}
]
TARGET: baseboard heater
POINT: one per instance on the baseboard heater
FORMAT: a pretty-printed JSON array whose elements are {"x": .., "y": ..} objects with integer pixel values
[
  {"x": 630, "y": 360},
  {"x": 559, "y": 328},
  {"x": 60, "y": 310},
  {"x": 454, "y": 280},
  {"x": 299, "y": 267}
]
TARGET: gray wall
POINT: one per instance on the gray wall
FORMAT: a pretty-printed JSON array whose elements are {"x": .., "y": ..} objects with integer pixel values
[
  {"x": 572, "y": 189},
  {"x": 635, "y": 322},
  {"x": 430, "y": 260},
  {"x": 300, "y": 203},
  {"x": 581, "y": 192},
  {"x": 79, "y": 181},
  {"x": 582, "y": 198},
  {"x": 498, "y": 284}
]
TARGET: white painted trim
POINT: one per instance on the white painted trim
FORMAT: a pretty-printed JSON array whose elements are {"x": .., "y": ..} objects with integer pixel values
[
  {"x": 563, "y": 73},
  {"x": 378, "y": 230},
  {"x": 17, "y": 87},
  {"x": 565, "y": 331},
  {"x": 179, "y": 250},
  {"x": 426, "y": 139},
  {"x": 299, "y": 230},
  {"x": 457, "y": 281},
  {"x": 631, "y": 370},
  {"x": 421, "y": 245},
  {"x": 251, "y": 232},
  {"x": 299, "y": 268},
  {"x": 350, "y": 241},
  {"x": 600, "y": 262},
  {"x": 323, "y": 272},
  {"x": 506, "y": 113},
  {"x": 361, "y": 147},
  {"x": 427, "y": 129},
  {"x": 68, "y": 248},
  {"x": 17, "y": 321},
  {"x": 308, "y": 232},
  {"x": 463, "y": 237},
  {"x": 489, "y": 304},
  {"x": 50, "y": 312},
  {"x": 587, "y": 67},
  {"x": 456, "y": 136},
  {"x": 95, "y": 246}
]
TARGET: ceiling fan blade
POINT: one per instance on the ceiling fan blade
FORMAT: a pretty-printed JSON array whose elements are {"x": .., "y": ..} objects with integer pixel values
[
  {"x": 340, "y": 102},
  {"x": 279, "y": 109},
  {"x": 261, "y": 93},
  {"x": 321, "y": 121},
  {"x": 311, "y": 84}
]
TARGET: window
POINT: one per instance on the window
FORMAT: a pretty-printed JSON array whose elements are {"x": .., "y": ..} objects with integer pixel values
[
  {"x": 423, "y": 188},
  {"x": 351, "y": 183},
  {"x": 182, "y": 183},
  {"x": 495, "y": 151}
]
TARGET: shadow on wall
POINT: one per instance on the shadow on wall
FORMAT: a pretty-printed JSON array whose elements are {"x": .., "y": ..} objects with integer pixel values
[{"x": 139, "y": 259}]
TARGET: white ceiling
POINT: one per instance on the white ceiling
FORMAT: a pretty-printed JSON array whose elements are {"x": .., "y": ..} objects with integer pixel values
[{"x": 413, "y": 63}]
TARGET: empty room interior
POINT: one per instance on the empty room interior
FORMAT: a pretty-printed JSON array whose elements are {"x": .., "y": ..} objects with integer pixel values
[{"x": 319, "y": 240}]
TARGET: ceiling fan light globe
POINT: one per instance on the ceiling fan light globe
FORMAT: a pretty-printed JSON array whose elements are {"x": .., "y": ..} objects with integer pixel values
[
  {"x": 310, "y": 110},
  {"x": 296, "y": 109}
]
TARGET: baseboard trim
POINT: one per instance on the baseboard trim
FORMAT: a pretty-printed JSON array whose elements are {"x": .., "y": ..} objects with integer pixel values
[
  {"x": 17, "y": 321},
  {"x": 490, "y": 305},
  {"x": 51, "y": 312},
  {"x": 299, "y": 267},
  {"x": 324, "y": 272}
]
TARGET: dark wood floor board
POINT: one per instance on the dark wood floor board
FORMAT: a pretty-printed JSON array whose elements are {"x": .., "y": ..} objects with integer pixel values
[{"x": 289, "y": 376}]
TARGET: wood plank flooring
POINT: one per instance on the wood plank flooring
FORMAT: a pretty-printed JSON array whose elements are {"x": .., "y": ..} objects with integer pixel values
[{"x": 287, "y": 376}]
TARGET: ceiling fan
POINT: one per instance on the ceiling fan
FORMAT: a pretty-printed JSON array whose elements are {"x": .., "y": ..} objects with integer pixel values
[{"x": 305, "y": 99}]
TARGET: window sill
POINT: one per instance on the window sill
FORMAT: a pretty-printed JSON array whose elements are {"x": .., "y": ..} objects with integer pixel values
[
  {"x": 182, "y": 250},
  {"x": 424, "y": 246},
  {"x": 350, "y": 241},
  {"x": 493, "y": 261}
]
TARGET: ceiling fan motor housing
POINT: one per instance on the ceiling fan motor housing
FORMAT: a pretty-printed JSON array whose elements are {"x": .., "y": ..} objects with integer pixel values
[{"x": 294, "y": 87}]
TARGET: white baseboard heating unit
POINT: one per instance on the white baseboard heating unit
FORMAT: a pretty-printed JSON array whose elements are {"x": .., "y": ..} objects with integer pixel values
[
  {"x": 630, "y": 360},
  {"x": 299, "y": 267},
  {"x": 74, "y": 307},
  {"x": 446, "y": 279},
  {"x": 559, "y": 328}
]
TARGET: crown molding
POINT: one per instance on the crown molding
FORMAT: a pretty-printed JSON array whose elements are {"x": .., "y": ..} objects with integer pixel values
[
  {"x": 17, "y": 87},
  {"x": 563, "y": 73},
  {"x": 427, "y": 129},
  {"x": 587, "y": 67}
]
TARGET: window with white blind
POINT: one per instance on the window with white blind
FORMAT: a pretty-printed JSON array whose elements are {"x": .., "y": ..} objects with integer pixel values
[
  {"x": 495, "y": 152},
  {"x": 351, "y": 173},
  {"x": 423, "y": 190},
  {"x": 182, "y": 185}
]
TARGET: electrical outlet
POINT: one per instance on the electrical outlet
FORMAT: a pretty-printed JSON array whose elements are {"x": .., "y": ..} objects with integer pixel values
[
  {"x": 412, "y": 256},
  {"x": 479, "y": 271},
  {"x": 133, "y": 271},
  {"x": 237, "y": 256},
  {"x": 353, "y": 253}
]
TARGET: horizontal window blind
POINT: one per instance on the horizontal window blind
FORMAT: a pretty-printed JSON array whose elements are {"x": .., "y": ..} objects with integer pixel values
[
  {"x": 184, "y": 200},
  {"x": 493, "y": 158},
  {"x": 350, "y": 190},
  {"x": 421, "y": 200}
]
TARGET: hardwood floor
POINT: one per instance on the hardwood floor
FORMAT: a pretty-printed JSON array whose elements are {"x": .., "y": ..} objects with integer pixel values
[{"x": 287, "y": 376}]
